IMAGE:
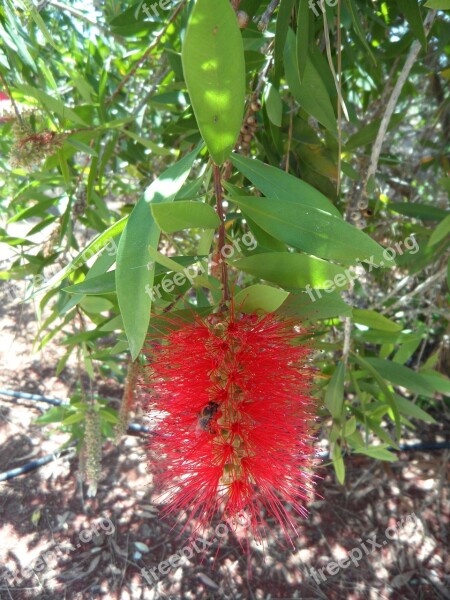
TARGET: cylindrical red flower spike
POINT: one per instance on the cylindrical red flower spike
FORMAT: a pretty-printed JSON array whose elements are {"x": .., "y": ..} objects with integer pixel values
[{"x": 230, "y": 393}]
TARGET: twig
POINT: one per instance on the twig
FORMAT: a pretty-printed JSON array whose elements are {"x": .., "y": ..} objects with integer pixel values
[
  {"x": 339, "y": 106},
  {"x": 267, "y": 15},
  {"x": 330, "y": 60},
  {"x": 146, "y": 53},
  {"x": 221, "y": 242},
  {"x": 13, "y": 102},
  {"x": 392, "y": 102},
  {"x": 423, "y": 286}
]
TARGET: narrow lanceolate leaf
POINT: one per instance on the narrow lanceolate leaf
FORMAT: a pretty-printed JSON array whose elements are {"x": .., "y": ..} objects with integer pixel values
[
  {"x": 334, "y": 396},
  {"x": 302, "y": 37},
  {"x": 292, "y": 270},
  {"x": 135, "y": 272},
  {"x": 401, "y": 375},
  {"x": 312, "y": 230},
  {"x": 374, "y": 320},
  {"x": 214, "y": 71},
  {"x": 308, "y": 88},
  {"x": 277, "y": 184},
  {"x": 184, "y": 215}
]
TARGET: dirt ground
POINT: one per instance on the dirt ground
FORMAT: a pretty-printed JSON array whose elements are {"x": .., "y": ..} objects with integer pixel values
[{"x": 389, "y": 524}]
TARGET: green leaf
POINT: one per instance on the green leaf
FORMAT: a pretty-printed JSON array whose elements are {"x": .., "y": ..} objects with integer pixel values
[
  {"x": 292, "y": 270},
  {"x": 91, "y": 250},
  {"x": 277, "y": 184},
  {"x": 259, "y": 298},
  {"x": 438, "y": 4},
  {"x": 401, "y": 375},
  {"x": 304, "y": 306},
  {"x": 406, "y": 407},
  {"x": 356, "y": 19},
  {"x": 367, "y": 365},
  {"x": 338, "y": 464},
  {"x": 42, "y": 26},
  {"x": 52, "y": 104},
  {"x": 441, "y": 231},
  {"x": 53, "y": 415},
  {"x": 302, "y": 36},
  {"x": 214, "y": 71},
  {"x": 310, "y": 91},
  {"x": 440, "y": 382},
  {"x": 378, "y": 452},
  {"x": 312, "y": 230},
  {"x": 411, "y": 10},
  {"x": 374, "y": 320},
  {"x": 418, "y": 211},
  {"x": 274, "y": 106},
  {"x": 184, "y": 215},
  {"x": 75, "y": 418},
  {"x": 281, "y": 30},
  {"x": 103, "y": 284},
  {"x": 334, "y": 395},
  {"x": 134, "y": 280}
]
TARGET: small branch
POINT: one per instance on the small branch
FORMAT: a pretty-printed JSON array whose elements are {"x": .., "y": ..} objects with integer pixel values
[
  {"x": 221, "y": 242},
  {"x": 339, "y": 106},
  {"x": 330, "y": 60},
  {"x": 425, "y": 285},
  {"x": 13, "y": 102},
  {"x": 392, "y": 102},
  {"x": 267, "y": 15}
]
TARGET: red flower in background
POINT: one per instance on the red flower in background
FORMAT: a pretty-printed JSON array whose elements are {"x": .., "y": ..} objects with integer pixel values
[{"x": 234, "y": 431}]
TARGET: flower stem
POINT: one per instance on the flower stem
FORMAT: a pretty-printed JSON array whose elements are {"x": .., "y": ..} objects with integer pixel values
[{"x": 221, "y": 242}]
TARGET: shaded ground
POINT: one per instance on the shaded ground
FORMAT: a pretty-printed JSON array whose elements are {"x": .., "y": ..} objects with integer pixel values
[{"x": 46, "y": 511}]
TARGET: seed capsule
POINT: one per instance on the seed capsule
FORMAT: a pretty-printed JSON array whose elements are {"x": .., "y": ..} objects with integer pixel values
[
  {"x": 255, "y": 105},
  {"x": 243, "y": 19}
]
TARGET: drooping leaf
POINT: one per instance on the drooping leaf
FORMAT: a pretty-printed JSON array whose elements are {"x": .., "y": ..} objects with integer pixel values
[
  {"x": 401, "y": 375},
  {"x": 134, "y": 277},
  {"x": 312, "y": 230},
  {"x": 334, "y": 395},
  {"x": 374, "y": 320},
  {"x": 310, "y": 91},
  {"x": 292, "y": 270},
  {"x": 277, "y": 184},
  {"x": 214, "y": 71}
]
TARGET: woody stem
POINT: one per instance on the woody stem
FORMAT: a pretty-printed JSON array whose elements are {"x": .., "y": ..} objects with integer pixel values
[{"x": 221, "y": 242}]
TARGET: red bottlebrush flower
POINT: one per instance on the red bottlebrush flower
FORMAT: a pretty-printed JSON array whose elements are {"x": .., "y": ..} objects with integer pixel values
[{"x": 230, "y": 393}]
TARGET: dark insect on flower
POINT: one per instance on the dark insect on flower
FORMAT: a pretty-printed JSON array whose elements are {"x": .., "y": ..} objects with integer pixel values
[{"x": 206, "y": 416}]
